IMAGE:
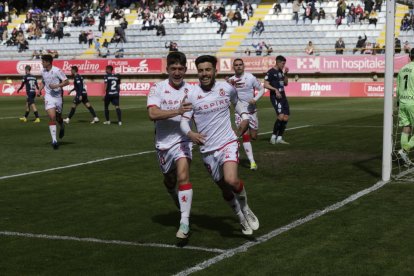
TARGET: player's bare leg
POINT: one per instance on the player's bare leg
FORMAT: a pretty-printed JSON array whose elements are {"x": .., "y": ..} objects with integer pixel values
[
  {"x": 185, "y": 196},
  {"x": 59, "y": 120}
]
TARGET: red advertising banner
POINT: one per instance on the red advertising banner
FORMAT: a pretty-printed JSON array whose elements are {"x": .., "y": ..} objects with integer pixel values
[
  {"x": 338, "y": 64},
  {"x": 295, "y": 89},
  {"x": 88, "y": 66},
  {"x": 318, "y": 64}
]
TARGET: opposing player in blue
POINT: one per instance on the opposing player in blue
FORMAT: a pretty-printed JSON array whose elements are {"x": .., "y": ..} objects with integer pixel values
[
  {"x": 81, "y": 96},
  {"x": 30, "y": 82},
  {"x": 275, "y": 80},
  {"x": 112, "y": 90}
]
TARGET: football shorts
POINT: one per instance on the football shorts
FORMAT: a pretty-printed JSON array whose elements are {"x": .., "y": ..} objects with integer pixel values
[
  {"x": 214, "y": 160},
  {"x": 168, "y": 157}
]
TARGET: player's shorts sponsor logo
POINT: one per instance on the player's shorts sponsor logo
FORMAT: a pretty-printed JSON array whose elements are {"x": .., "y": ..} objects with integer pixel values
[{"x": 36, "y": 67}]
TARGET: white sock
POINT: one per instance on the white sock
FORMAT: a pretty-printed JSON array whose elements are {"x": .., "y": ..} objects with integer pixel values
[
  {"x": 185, "y": 198},
  {"x": 273, "y": 136},
  {"x": 241, "y": 197},
  {"x": 279, "y": 138},
  {"x": 249, "y": 151},
  {"x": 52, "y": 129}
]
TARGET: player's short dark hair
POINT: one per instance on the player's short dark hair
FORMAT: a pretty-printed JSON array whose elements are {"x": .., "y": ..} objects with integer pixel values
[
  {"x": 238, "y": 59},
  {"x": 411, "y": 54},
  {"x": 47, "y": 58},
  {"x": 75, "y": 68},
  {"x": 176, "y": 57},
  {"x": 206, "y": 58},
  {"x": 280, "y": 59},
  {"x": 110, "y": 67},
  {"x": 28, "y": 67}
]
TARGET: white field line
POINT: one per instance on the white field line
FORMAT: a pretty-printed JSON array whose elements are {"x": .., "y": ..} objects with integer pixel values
[
  {"x": 101, "y": 160},
  {"x": 292, "y": 128},
  {"x": 100, "y": 241},
  {"x": 243, "y": 248},
  {"x": 76, "y": 165}
]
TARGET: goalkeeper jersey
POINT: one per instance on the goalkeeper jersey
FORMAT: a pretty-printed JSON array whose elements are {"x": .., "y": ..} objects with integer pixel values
[{"x": 405, "y": 85}]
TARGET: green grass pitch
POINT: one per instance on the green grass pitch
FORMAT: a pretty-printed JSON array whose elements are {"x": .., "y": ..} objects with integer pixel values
[{"x": 335, "y": 151}]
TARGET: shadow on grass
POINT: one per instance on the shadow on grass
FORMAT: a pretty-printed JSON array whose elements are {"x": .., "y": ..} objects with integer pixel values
[{"x": 367, "y": 166}]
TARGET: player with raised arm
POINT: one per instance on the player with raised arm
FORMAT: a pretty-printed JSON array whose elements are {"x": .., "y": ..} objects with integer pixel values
[
  {"x": 80, "y": 97},
  {"x": 247, "y": 84},
  {"x": 53, "y": 81},
  {"x": 112, "y": 84},
  {"x": 275, "y": 80},
  {"x": 165, "y": 105},
  {"x": 218, "y": 142},
  {"x": 31, "y": 84},
  {"x": 405, "y": 96}
]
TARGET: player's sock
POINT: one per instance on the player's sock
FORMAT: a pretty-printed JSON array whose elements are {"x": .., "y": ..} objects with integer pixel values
[
  {"x": 106, "y": 114},
  {"x": 36, "y": 114},
  {"x": 185, "y": 196},
  {"x": 404, "y": 141},
  {"x": 92, "y": 111},
  {"x": 26, "y": 114},
  {"x": 410, "y": 144},
  {"x": 52, "y": 129},
  {"x": 282, "y": 127},
  {"x": 118, "y": 113},
  {"x": 277, "y": 126},
  {"x": 248, "y": 147},
  {"x": 71, "y": 113},
  {"x": 241, "y": 195}
]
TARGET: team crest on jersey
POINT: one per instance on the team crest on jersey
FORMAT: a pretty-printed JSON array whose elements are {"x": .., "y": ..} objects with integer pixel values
[
  {"x": 186, "y": 91},
  {"x": 151, "y": 92},
  {"x": 199, "y": 97},
  {"x": 222, "y": 93},
  {"x": 167, "y": 92}
]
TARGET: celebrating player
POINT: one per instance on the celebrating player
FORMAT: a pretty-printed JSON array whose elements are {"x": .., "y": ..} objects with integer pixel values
[
  {"x": 218, "y": 142},
  {"x": 247, "y": 83},
  {"x": 31, "y": 84},
  {"x": 275, "y": 80},
  {"x": 405, "y": 95},
  {"x": 112, "y": 89},
  {"x": 81, "y": 96},
  {"x": 165, "y": 105},
  {"x": 53, "y": 81}
]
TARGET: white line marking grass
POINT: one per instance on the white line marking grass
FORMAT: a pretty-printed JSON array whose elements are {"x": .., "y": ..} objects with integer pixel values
[
  {"x": 281, "y": 230},
  {"x": 103, "y": 159},
  {"x": 100, "y": 241}
]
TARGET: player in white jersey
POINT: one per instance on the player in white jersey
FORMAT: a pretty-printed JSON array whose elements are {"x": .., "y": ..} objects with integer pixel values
[
  {"x": 247, "y": 84},
  {"x": 165, "y": 105},
  {"x": 211, "y": 102},
  {"x": 53, "y": 81}
]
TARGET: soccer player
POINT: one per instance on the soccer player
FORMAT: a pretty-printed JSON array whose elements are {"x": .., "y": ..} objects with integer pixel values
[
  {"x": 275, "y": 80},
  {"x": 218, "y": 142},
  {"x": 165, "y": 106},
  {"x": 81, "y": 96},
  {"x": 112, "y": 89},
  {"x": 247, "y": 83},
  {"x": 53, "y": 81},
  {"x": 30, "y": 82},
  {"x": 405, "y": 95}
]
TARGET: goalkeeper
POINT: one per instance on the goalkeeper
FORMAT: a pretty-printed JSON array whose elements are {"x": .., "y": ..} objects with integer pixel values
[{"x": 405, "y": 96}]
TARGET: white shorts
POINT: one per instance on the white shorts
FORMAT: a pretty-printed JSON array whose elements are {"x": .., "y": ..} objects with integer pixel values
[
  {"x": 214, "y": 160},
  {"x": 168, "y": 157},
  {"x": 253, "y": 120},
  {"x": 53, "y": 102}
]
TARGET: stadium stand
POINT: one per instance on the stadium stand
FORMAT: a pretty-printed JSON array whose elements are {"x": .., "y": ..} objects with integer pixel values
[{"x": 200, "y": 35}]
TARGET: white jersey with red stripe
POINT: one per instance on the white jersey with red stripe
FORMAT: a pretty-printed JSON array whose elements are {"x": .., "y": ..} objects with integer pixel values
[
  {"x": 211, "y": 113},
  {"x": 165, "y": 97},
  {"x": 246, "y": 89},
  {"x": 53, "y": 76}
]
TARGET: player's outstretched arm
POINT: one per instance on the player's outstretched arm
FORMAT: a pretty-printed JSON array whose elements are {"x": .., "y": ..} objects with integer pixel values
[{"x": 155, "y": 113}]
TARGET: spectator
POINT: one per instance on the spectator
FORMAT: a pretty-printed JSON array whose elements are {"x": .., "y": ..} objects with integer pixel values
[
  {"x": 397, "y": 45},
  {"x": 102, "y": 19},
  {"x": 307, "y": 13},
  {"x": 369, "y": 48},
  {"x": 259, "y": 28},
  {"x": 121, "y": 33},
  {"x": 295, "y": 9},
  {"x": 339, "y": 46},
  {"x": 310, "y": 49},
  {"x": 172, "y": 46},
  {"x": 259, "y": 48},
  {"x": 97, "y": 46},
  {"x": 53, "y": 53},
  {"x": 223, "y": 28},
  {"x": 321, "y": 14},
  {"x": 269, "y": 49},
  {"x": 247, "y": 52},
  {"x": 119, "y": 53},
  {"x": 238, "y": 17},
  {"x": 160, "y": 30},
  {"x": 360, "y": 45},
  {"x": 277, "y": 8},
  {"x": 406, "y": 47},
  {"x": 105, "y": 43},
  {"x": 90, "y": 36},
  {"x": 359, "y": 13},
  {"x": 369, "y": 4},
  {"x": 82, "y": 37},
  {"x": 373, "y": 18},
  {"x": 36, "y": 54},
  {"x": 104, "y": 53}
]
